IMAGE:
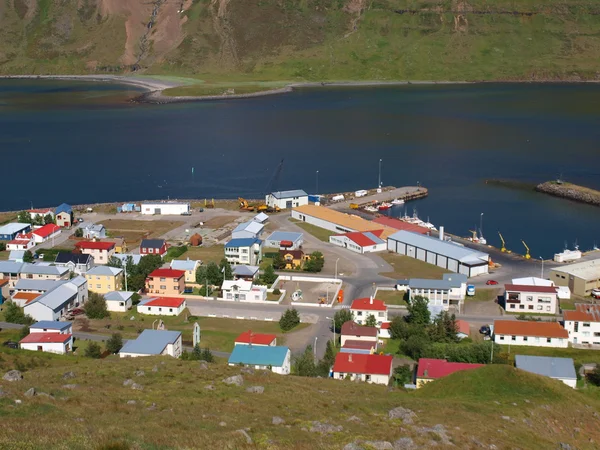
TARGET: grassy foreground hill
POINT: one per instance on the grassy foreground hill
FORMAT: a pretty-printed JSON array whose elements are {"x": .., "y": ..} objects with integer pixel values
[
  {"x": 304, "y": 39},
  {"x": 181, "y": 404}
]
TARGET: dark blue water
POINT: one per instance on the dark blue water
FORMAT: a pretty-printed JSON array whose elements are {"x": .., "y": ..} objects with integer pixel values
[{"x": 81, "y": 142}]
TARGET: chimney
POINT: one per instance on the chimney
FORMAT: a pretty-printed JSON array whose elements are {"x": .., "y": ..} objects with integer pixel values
[
  {"x": 349, "y": 357},
  {"x": 441, "y": 233},
  {"x": 371, "y": 300}
]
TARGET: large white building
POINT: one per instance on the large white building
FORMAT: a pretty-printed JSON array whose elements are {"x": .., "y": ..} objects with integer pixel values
[
  {"x": 583, "y": 324},
  {"x": 447, "y": 255},
  {"x": 529, "y": 299},
  {"x": 287, "y": 199},
  {"x": 246, "y": 251},
  {"x": 530, "y": 333},
  {"x": 165, "y": 209},
  {"x": 153, "y": 342},
  {"x": 450, "y": 290},
  {"x": 57, "y": 302},
  {"x": 360, "y": 241}
]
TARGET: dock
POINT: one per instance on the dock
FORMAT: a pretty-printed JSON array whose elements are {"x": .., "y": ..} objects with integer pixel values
[{"x": 403, "y": 193}]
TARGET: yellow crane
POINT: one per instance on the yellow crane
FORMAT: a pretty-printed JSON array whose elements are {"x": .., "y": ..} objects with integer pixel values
[
  {"x": 503, "y": 249},
  {"x": 527, "y": 255}
]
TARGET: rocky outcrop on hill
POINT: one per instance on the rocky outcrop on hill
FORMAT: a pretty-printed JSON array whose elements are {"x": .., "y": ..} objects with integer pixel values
[{"x": 570, "y": 191}]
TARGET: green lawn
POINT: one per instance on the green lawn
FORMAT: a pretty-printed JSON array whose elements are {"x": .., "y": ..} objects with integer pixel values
[
  {"x": 392, "y": 297},
  {"x": 483, "y": 295},
  {"x": 320, "y": 233},
  {"x": 390, "y": 346},
  {"x": 406, "y": 267}
]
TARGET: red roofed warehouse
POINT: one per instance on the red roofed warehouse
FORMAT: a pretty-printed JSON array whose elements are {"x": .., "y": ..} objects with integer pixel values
[
  {"x": 48, "y": 342},
  {"x": 166, "y": 282},
  {"x": 583, "y": 324},
  {"x": 249, "y": 337},
  {"x": 362, "y": 308},
  {"x": 370, "y": 368},
  {"x": 400, "y": 225},
  {"x": 432, "y": 369},
  {"x": 352, "y": 334},
  {"x": 45, "y": 233},
  {"x": 99, "y": 250},
  {"x": 162, "y": 306},
  {"x": 525, "y": 298},
  {"x": 360, "y": 241},
  {"x": 532, "y": 334}
]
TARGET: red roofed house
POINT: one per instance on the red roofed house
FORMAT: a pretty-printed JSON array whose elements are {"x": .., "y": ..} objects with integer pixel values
[
  {"x": 463, "y": 329},
  {"x": 162, "y": 306},
  {"x": 48, "y": 342},
  {"x": 360, "y": 241},
  {"x": 529, "y": 333},
  {"x": 45, "y": 233},
  {"x": 166, "y": 282},
  {"x": 583, "y": 324},
  {"x": 432, "y": 369},
  {"x": 248, "y": 337},
  {"x": 362, "y": 308},
  {"x": 400, "y": 225},
  {"x": 370, "y": 368},
  {"x": 101, "y": 251},
  {"x": 21, "y": 242},
  {"x": 357, "y": 337},
  {"x": 530, "y": 299}
]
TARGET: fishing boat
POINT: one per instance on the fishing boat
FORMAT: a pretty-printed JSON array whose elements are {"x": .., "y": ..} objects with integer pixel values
[
  {"x": 397, "y": 201},
  {"x": 370, "y": 209},
  {"x": 384, "y": 206}
]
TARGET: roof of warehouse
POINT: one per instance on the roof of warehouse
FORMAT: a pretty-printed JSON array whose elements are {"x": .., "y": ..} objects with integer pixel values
[
  {"x": 12, "y": 228},
  {"x": 51, "y": 325},
  {"x": 349, "y": 221},
  {"x": 118, "y": 296},
  {"x": 289, "y": 194},
  {"x": 46, "y": 230},
  {"x": 527, "y": 328},
  {"x": 43, "y": 269},
  {"x": 259, "y": 355},
  {"x": 529, "y": 288},
  {"x": 547, "y": 366},
  {"x": 448, "y": 281},
  {"x": 245, "y": 271},
  {"x": 365, "y": 238},
  {"x": 587, "y": 270},
  {"x": 251, "y": 226},
  {"x": 10, "y": 266},
  {"x": 285, "y": 236},
  {"x": 450, "y": 249},
  {"x": 151, "y": 342},
  {"x": 56, "y": 298},
  {"x": 400, "y": 224},
  {"x": 104, "y": 271},
  {"x": 25, "y": 284}
]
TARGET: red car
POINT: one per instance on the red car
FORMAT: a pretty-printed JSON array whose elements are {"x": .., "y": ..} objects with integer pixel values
[{"x": 491, "y": 282}]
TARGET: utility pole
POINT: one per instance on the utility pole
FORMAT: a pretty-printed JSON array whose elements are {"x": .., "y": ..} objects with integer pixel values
[
  {"x": 317, "y": 190},
  {"x": 542, "y": 267},
  {"x": 481, "y": 224},
  {"x": 315, "y": 349},
  {"x": 379, "y": 183},
  {"x": 125, "y": 269},
  {"x": 336, "y": 262}
]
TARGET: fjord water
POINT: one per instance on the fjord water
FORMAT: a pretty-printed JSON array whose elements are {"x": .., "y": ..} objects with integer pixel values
[{"x": 82, "y": 142}]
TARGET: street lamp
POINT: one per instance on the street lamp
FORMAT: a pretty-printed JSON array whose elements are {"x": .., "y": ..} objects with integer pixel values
[
  {"x": 316, "y": 337},
  {"x": 542, "y": 267},
  {"x": 481, "y": 224},
  {"x": 379, "y": 184},
  {"x": 336, "y": 261},
  {"x": 317, "y": 190}
]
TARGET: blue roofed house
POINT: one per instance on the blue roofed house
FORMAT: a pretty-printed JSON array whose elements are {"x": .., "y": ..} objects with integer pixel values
[
  {"x": 250, "y": 229},
  {"x": 562, "y": 369},
  {"x": 51, "y": 326},
  {"x": 285, "y": 239},
  {"x": 243, "y": 272},
  {"x": 56, "y": 303},
  {"x": 246, "y": 251},
  {"x": 189, "y": 266},
  {"x": 64, "y": 215},
  {"x": 153, "y": 342},
  {"x": 277, "y": 359},
  {"x": 287, "y": 199},
  {"x": 9, "y": 231},
  {"x": 449, "y": 291}
]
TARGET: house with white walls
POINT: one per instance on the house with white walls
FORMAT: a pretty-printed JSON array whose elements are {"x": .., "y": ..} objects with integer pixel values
[
  {"x": 376, "y": 369},
  {"x": 47, "y": 342},
  {"x": 583, "y": 324},
  {"x": 362, "y": 308},
  {"x": 530, "y": 333},
  {"x": 153, "y": 343},
  {"x": 161, "y": 306}
]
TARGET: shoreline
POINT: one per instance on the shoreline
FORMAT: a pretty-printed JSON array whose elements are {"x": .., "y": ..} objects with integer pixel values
[{"x": 154, "y": 87}]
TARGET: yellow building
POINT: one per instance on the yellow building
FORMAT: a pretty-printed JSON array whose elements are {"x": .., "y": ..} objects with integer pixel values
[
  {"x": 104, "y": 279},
  {"x": 293, "y": 258},
  {"x": 120, "y": 244}
]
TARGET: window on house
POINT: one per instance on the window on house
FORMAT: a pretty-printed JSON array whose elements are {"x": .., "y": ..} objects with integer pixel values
[
  {"x": 584, "y": 324},
  {"x": 150, "y": 250},
  {"x": 163, "y": 286},
  {"x": 548, "y": 340},
  {"x": 512, "y": 306},
  {"x": 149, "y": 309},
  {"x": 514, "y": 338},
  {"x": 521, "y": 306},
  {"x": 359, "y": 313},
  {"x": 530, "y": 307},
  {"x": 159, "y": 309},
  {"x": 98, "y": 286},
  {"x": 501, "y": 338},
  {"x": 170, "y": 309},
  {"x": 525, "y": 338},
  {"x": 121, "y": 304}
]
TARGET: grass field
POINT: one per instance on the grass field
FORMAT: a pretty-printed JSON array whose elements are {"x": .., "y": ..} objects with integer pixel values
[
  {"x": 213, "y": 253},
  {"x": 392, "y": 297},
  {"x": 406, "y": 267},
  {"x": 320, "y": 233},
  {"x": 483, "y": 295},
  {"x": 135, "y": 230}
]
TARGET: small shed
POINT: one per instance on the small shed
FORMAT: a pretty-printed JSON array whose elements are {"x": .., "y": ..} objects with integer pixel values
[{"x": 196, "y": 240}]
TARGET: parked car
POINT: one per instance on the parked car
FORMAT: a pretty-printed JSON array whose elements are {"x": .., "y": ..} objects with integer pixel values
[
  {"x": 596, "y": 293},
  {"x": 486, "y": 330},
  {"x": 11, "y": 344},
  {"x": 491, "y": 282},
  {"x": 188, "y": 290}
]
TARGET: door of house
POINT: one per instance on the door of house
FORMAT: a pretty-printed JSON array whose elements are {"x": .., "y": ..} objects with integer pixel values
[{"x": 39, "y": 348}]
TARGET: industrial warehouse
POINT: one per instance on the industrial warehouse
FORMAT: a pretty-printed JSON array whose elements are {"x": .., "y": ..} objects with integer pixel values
[
  {"x": 447, "y": 255},
  {"x": 580, "y": 278}
]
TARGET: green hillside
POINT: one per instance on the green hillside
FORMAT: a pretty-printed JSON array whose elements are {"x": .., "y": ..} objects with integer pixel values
[
  {"x": 290, "y": 40},
  {"x": 493, "y": 407}
]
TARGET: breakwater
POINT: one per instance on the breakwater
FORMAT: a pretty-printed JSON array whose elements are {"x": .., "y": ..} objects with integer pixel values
[{"x": 570, "y": 191}]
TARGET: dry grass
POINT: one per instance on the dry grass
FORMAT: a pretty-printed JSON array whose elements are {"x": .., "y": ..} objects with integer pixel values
[
  {"x": 7, "y": 217},
  {"x": 320, "y": 233},
  {"x": 406, "y": 267},
  {"x": 135, "y": 230},
  {"x": 213, "y": 253},
  {"x": 219, "y": 221}
]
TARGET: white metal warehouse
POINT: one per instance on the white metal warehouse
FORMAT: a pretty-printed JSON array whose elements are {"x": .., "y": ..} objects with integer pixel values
[
  {"x": 447, "y": 255},
  {"x": 165, "y": 209}
]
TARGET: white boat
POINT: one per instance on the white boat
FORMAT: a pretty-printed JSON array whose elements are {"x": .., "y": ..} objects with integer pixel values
[
  {"x": 397, "y": 201},
  {"x": 370, "y": 209}
]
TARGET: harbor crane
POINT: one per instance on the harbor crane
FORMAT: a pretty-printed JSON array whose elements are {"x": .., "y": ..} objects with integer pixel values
[
  {"x": 503, "y": 249},
  {"x": 527, "y": 255}
]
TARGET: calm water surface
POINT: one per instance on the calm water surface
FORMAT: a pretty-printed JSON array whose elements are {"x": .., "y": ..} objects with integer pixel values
[{"x": 82, "y": 142}]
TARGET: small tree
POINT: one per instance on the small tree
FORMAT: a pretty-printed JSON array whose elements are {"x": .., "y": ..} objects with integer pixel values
[
  {"x": 402, "y": 375},
  {"x": 2, "y": 246},
  {"x": 15, "y": 314},
  {"x": 207, "y": 356},
  {"x": 93, "y": 350},
  {"x": 113, "y": 261},
  {"x": 24, "y": 217},
  {"x": 215, "y": 277},
  {"x": 269, "y": 275},
  {"x": 95, "y": 307},
  {"x": 399, "y": 328},
  {"x": 225, "y": 269},
  {"x": 48, "y": 219},
  {"x": 28, "y": 257},
  {"x": 315, "y": 262},
  {"x": 278, "y": 261},
  {"x": 289, "y": 319},
  {"x": 418, "y": 312},
  {"x": 115, "y": 343},
  {"x": 594, "y": 376},
  {"x": 415, "y": 346},
  {"x": 304, "y": 364},
  {"x": 329, "y": 357},
  {"x": 371, "y": 321},
  {"x": 78, "y": 233},
  {"x": 23, "y": 332},
  {"x": 205, "y": 291},
  {"x": 341, "y": 317},
  {"x": 201, "y": 275}
]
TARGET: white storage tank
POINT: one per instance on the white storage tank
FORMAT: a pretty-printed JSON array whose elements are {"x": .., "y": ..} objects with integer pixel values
[{"x": 337, "y": 198}]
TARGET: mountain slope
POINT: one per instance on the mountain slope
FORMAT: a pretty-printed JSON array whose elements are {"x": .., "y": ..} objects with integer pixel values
[
  {"x": 305, "y": 39},
  {"x": 493, "y": 407}
]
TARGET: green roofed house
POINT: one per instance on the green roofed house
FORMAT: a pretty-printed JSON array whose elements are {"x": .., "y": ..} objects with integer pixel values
[{"x": 277, "y": 359}]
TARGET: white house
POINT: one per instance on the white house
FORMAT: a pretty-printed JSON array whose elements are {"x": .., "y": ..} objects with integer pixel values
[
  {"x": 262, "y": 357},
  {"x": 376, "y": 369},
  {"x": 360, "y": 241},
  {"x": 51, "y": 326},
  {"x": 362, "y": 308},
  {"x": 561, "y": 369},
  {"x": 45, "y": 233},
  {"x": 40, "y": 213},
  {"x": 189, "y": 266},
  {"x": 118, "y": 301},
  {"x": 530, "y": 299},
  {"x": 246, "y": 251},
  {"x": 530, "y": 333},
  {"x": 250, "y": 338},
  {"x": 22, "y": 242},
  {"x": 152, "y": 343},
  {"x": 57, "y": 302},
  {"x": 161, "y": 306},
  {"x": 583, "y": 324},
  {"x": 243, "y": 291},
  {"x": 170, "y": 208},
  {"x": 450, "y": 290},
  {"x": 287, "y": 199},
  {"x": 48, "y": 342},
  {"x": 250, "y": 229},
  {"x": 93, "y": 231},
  {"x": 43, "y": 271},
  {"x": 261, "y": 217}
]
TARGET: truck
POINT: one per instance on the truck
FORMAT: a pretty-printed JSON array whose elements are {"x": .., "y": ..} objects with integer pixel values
[
  {"x": 353, "y": 205},
  {"x": 470, "y": 290}
]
